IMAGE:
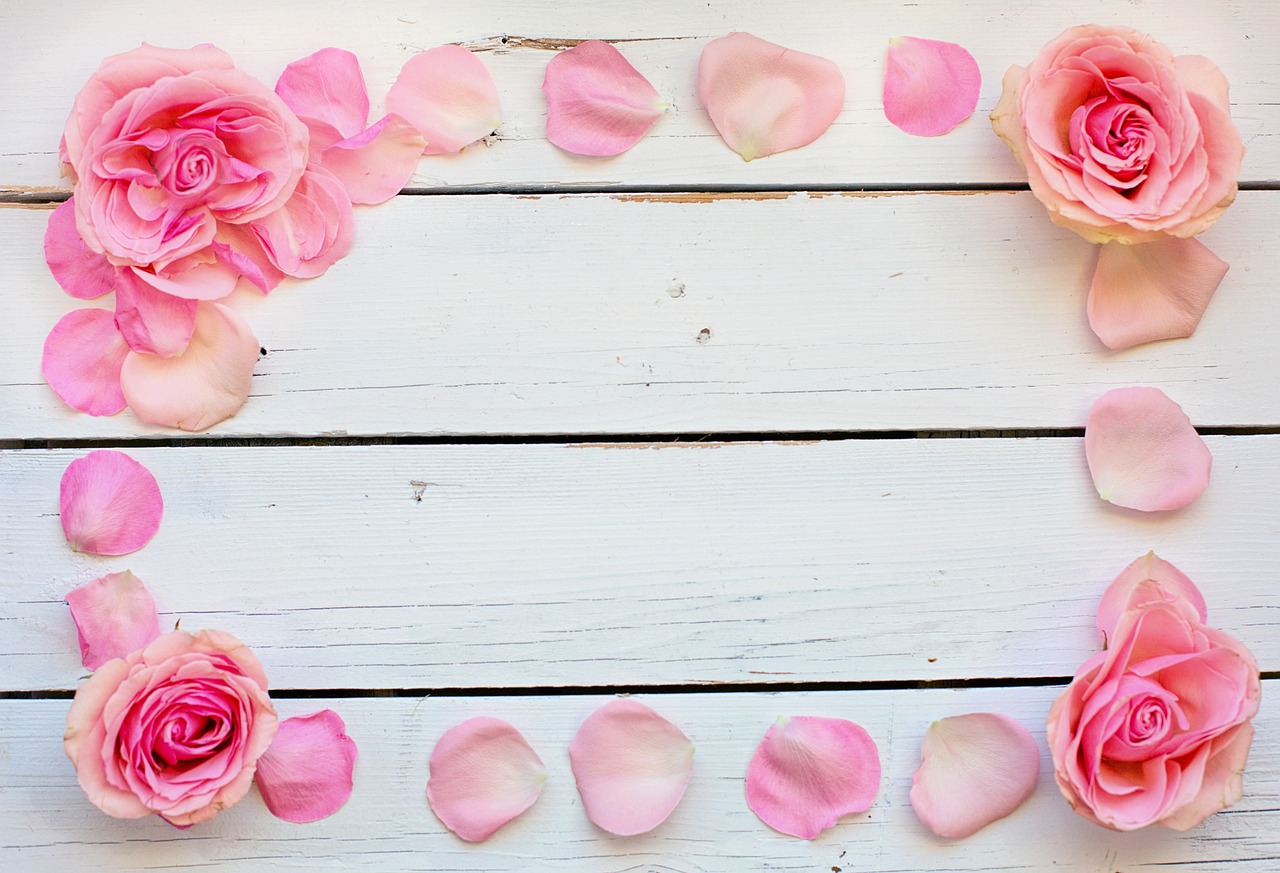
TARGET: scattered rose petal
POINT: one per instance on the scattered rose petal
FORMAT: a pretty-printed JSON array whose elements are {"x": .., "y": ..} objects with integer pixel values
[
  {"x": 808, "y": 771},
  {"x": 114, "y": 615},
  {"x": 1152, "y": 291},
  {"x": 764, "y": 98},
  {"x": 597, "y": 103},
  {"x": 152, "y": 321},
  {"x": 82, "y": 358},
  {"x": 483, "y": 775},
  {"x": 632, "y": 767},
  {"x": 82, "y": 272},
  {"x": 448, "y": 95},
  {"x": 109, "y": 504},
  {"x": 929, "y": 86},
  {"x": 1143, "y": 452},
  {"x": 306, "y": 773},
  {"x": 327, "y": 86},
  {"x": 376, "y": 164},
  {"x": 205, "y": 384},
  {"x": 974, "y": 769},
  {"x": 1146, "y": 581}
]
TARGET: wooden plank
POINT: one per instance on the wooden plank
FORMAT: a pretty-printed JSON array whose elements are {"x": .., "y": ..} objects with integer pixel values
[
  {"x": 387, "y": 825},
  {"x": 500, "y": 314},
  {"x": 547, "y": 565},
  {"x": 55, "y": 45}
]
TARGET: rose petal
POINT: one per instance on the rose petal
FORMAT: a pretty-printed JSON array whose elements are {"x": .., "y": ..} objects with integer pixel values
[
  {"x": 205, "y": 384},
  {"x": 306, "y": 773},
  {"x": 80, "y": 271},
  {"x": 327, "y": 86},
  {"x": 631, "y": 765},
  {"x": 109, "y": 504},
  {"x": 152, "y": 321},
  {"x": 974, "y": 769},
  {"x": 313, "y": 230},
  {"x": 483, "y": 775},
  {"x": 1147, "y": 580},
  {"x": 1152, "y": 291},
  {"x": 114, "y": 617},
  {"x": 239, "y": 247},
  {"x": 808, "y": 771},
  {"x": 929, "y": 86},
  {"x": 764, "y": 98},
  {"x": 1143, "y": 452},
  {"x": 193, "y": 278},
  {"x": 597, "y": 103},
  {"x": 448, "y": 95},
  {"x": 82, "y": 358},
  {"x": 376, "y": 164}
]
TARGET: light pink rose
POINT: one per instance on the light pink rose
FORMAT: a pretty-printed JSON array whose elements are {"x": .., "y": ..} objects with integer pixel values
[
  {"x": 1121, "y": 140},
  {"x": 175, "y": 728},
  {"x": 1156, "y": 729}
]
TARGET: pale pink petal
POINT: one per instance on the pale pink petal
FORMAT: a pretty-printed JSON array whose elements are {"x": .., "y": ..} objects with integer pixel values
[
  {"x": 306, "y": 773},
  {"x": 327, "y": 86},
  {"x": 82, "y": 358},
  {"x": 483, "y": 774},
  {"x": 376, "y": 164},
  {"x": 205, "y": 384},
  {"x": 82, "y": 272},
  {"x": 808, "y": 771},
  {"x": 597, "y": 103},
  {"x": 632, "y": 767},
  {"x": 448, "y": 95},
  {"x": 1147, "y": 580},
  {"x": 313, "y": 230},
  {"x": 115, "y": 616},
  {"x": 929, "y": 86},
  {"x": 1152, "y": 291},
  {"x": 974, "y": 769},
  {"x": 109, "y": 504},
  {"x": 193, "y": 278},
  {"x": 239, "y": 247},
  {"x": 1143, "y": 452},
  {"x": 764, "y": 98},
  {"x": 152, "y": 321}
]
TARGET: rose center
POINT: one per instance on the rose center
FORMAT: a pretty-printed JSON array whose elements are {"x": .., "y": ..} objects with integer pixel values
[
  {"x": 1114, "y": 141},
  {"x": 189, "y": 164}
]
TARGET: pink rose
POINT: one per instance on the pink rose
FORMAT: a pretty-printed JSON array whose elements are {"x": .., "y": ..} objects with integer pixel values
[
  {"x": 175, "y": 728},
  {"x": 1155, "y": 730},
  {"x": 1121, "y": 140}
]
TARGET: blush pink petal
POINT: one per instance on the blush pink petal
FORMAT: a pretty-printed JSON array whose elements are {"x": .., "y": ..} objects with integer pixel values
[
  {"x": 152, "y": 321},
  {"x": 1146, "y": 581},
  {"x": 193, "y": 278},
  {"x": 109, "y": 504},
  {"x": 83, "y": 355},
  {"x": 974, "y": 769},
  {"x": 306, "y": 774},
  {"x": 114, "y": 616},
  {"x": 241, "y": 249},
  {"x": 808, "y": 771},
  {"x": 764, "y": 98},
  {"x": 597, "y": 103},
  {"x": 448, "y": 95},
  {"x": 483, "y": 775},
  {"x": 205, "y": 384},
  {"x": 1152, "y": 291},
  {"x": 313, "y": 230},
  {"x": 376, "y": 164},
  {"x": 1143, "y": 452},
  {"x": 929, "y": 86},
  {"x": 631, "y": 765},
  {"x": 80, "y": 271},
  {"x": 327, "y": 86}
]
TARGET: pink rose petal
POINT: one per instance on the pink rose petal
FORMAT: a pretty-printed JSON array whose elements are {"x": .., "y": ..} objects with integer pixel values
[
  {"x": 109, "y": 504},
  {"x": 239, "y": 247},
  {"x": 1143, "y": 452},
  {"x": 327, "y": 86},
  {"x": 376, "y": 164},
  {"x": 152, "y": 321},
  {"x": 1147, "y": 580},
  {"x": 929, "y": 86},
  {"x": 448, "y": 95},
  {"x": 194, "y": 278},
  {"x": 974, "y": 769},
  {"x": 808, "y": 771},
  {"x": 82, "y": 272},
  {"x": 82, "y": 358},
  {"x": 205, "y": 384},
  {"x": 306, "y": 773},
  {"x": 597, "y": 103},
  {"x": 632, "y": 767},
  {"x": 1152, "y": 291},
  {"x": 764, "y": 98},
  {"x": 313, "y": 230},
  {"x": 115, "y": 616},
  {"x": 483, "y": 775}
]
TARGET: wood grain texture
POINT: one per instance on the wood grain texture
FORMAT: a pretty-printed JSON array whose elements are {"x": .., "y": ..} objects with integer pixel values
[
  {"x": 387, "y": 826},
  {"x": 546, "y": 565},
  {"x": 54, "y": 45}
]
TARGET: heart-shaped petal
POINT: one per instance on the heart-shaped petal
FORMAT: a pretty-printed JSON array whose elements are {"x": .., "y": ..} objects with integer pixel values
[
  {"x": 327, "y": 86},
  {"x": 448, "y": 95},
  {"x": 929, "y": 86},
  {"x": 307, "y": 772},
  {"x": 483, "y": 774},
  {"x": 109, "y": 504},
  {"x": 83, "y": 355},
  {"x": 1147, "y": 580},
  {"x": 82, "y": 272},
  {"x": 115, "y": 616},
  {"x": 597, "y": 103}
]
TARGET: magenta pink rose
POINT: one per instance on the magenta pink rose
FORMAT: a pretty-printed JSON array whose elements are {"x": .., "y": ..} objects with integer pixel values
[
  {"x": 1120, "y": 139},
  {"x": 175, "y": 728},
  {"x": 1156, "y": 729}
]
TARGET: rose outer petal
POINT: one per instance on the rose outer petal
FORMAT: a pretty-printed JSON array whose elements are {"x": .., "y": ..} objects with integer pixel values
[
  {"x": 327, "y": 86},
  {"x": 114, "y": 615},
  {"x": 1147, "y": 580},
  {"x": 598, "y": 104},
  {"x": 82, "y": 359},
  {"x": 974, "y": 769},
  {"x": 929, "y": 86},
  {"x": 1143, "y": 452},
  {"x": 78, "y": 269},
  {"x": 449, "y": 96},
  {"x": 306, "y": 773},
  {"x": 376, "y": 164},
  {"x": 109, "y": 504},
  {"x": 152, "y": 321},
  {"x": 483, "y": 775}
]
